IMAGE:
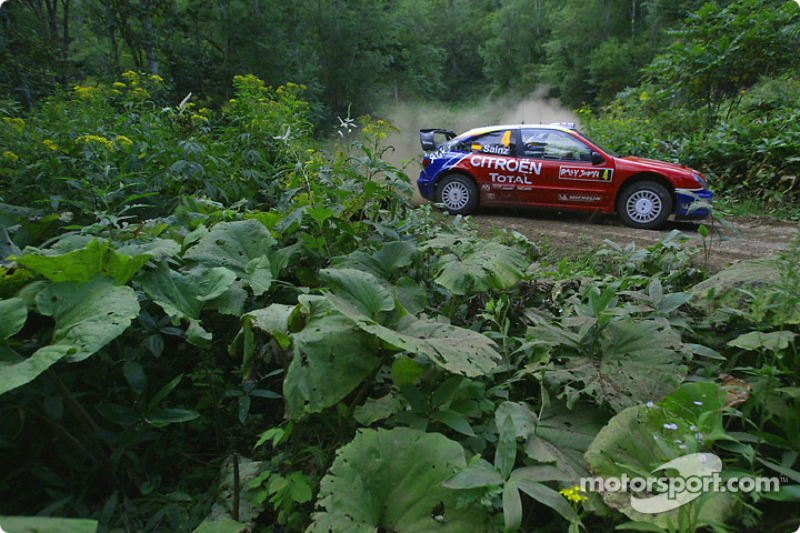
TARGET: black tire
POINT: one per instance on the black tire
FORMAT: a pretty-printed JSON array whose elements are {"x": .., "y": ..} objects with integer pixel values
[
  {"x": 644, "y": 205},
  {"x": 458, "y": 193}
]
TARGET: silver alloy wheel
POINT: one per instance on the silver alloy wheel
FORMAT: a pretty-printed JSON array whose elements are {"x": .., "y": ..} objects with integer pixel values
[
  {"x": 644, "y": 206},
  {"x": 455, "y": 195}
]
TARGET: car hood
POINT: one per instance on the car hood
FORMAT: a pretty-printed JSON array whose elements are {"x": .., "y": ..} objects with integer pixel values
[{"x": 640, "y": 163}]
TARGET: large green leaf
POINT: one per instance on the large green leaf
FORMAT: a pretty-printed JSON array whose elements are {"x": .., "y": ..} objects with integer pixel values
[
  {"x": 636, "y": 362},
  {"x": 96, "y": 258},
  {"x": 331, "y": 357},
  {"x": 13, "y": 314},
  {"x": 87, "y": 315},
  {"x": 183, "y": 295},
  {"x": 390, "y": 480},
  {"x": 635, "y": 443},
  {"x": 223, "y": 525},
  {"x": 234, "y": 486},
  {"x": 487, "y": 265},
  {"x": 42, "y": 524},
  {"x": 563, "y": 435},
  {"x": 242, "y": 246},
  {"x": 272, "y": 320},
  {"x": 457, "y": 350},
  {"x": 385, "y": 262},
  {"x": 360, "y": 290},
  {"x": 752, "y": 286}
]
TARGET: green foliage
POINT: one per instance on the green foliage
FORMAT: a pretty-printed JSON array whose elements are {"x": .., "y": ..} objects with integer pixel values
[
  {"x": 392, "y": 479},
  {"x": 718, "y": 100},
  {"x": 87, "y": 316},
  {"x": 17, "y": 524},
  {"x": 295, "y": 309}
]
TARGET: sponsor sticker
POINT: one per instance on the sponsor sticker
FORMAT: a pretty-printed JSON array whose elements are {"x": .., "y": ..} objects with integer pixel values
[
  {"x": 522, "y": 166},
  {"x": 585, "y": 174},
  {"x": 579, "y": 197},
  {"x": 515, "y": 180}
]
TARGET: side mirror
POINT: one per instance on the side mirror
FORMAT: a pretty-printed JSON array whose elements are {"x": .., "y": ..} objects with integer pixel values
[{"x": 597, "y": 159}]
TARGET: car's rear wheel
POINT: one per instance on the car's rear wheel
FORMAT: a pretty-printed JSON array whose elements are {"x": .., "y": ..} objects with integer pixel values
[
  {"x": 645, "y": 205},
  {"x": 458, "y": 193}
]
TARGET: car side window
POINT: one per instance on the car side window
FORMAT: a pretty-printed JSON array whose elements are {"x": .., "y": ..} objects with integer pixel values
[
  {"x": 554, "y": 145},
  {"x": 496, "y": 142}
]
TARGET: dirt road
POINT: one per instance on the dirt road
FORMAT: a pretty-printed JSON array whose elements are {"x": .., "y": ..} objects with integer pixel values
[{"x": 568, "y": 233}]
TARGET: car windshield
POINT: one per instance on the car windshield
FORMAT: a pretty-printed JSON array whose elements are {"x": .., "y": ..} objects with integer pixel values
[{"x": 612, "y": 153}]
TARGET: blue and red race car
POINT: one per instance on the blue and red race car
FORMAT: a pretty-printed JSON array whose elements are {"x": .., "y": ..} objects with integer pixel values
[{"x": 554, "y": 166}]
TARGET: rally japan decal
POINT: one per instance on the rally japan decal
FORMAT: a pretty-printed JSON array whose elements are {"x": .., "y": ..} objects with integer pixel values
[
  {"x": 510, "y": 172},
  {"x": 585, "y": 174}
]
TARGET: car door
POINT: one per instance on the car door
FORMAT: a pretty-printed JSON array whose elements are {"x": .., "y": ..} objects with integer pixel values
[
  {"x": 566, "y": 175},
  {"x": 492, "y": 156}
]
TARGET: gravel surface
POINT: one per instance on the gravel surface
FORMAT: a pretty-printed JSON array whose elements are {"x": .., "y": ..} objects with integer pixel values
[{"x": 569, "y": 233}]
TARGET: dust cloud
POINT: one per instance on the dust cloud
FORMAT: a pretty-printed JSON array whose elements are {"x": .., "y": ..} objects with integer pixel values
[{"x": 409, "y": 118}]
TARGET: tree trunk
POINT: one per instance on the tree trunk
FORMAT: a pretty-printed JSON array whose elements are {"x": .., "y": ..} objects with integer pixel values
[
  {"x": 152, "y": 65},
  {"x": 112, "y": 35}
]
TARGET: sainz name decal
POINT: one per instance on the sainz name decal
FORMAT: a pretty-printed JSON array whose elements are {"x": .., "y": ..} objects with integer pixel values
[{"x": 585, "y": 174}]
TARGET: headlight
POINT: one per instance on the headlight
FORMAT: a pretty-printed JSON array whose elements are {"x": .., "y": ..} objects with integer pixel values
[{"x": 700, "y": 180}]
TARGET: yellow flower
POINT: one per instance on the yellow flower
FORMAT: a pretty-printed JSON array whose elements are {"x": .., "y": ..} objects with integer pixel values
[
  {"x": 86, "y": 92},
  {"x": 156, "y": 78},
  {"x": 50, "y": 144},
  {"x": 574, "y": 494},
  {"x": 10, "y": 156},
  {"x": 118, "y": 85},
  {"x": 140, "y": 93},
  {"x": 124, "y": 141},
  {"x": 16, "y": 123},
  {"x": 96, "y": 139}
]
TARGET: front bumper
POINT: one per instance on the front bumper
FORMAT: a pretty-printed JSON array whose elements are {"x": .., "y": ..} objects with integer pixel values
[{"x": 685, "y": 199}]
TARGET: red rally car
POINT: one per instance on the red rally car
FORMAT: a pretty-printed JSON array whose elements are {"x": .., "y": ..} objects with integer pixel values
[{"x": 554, "y": 166}]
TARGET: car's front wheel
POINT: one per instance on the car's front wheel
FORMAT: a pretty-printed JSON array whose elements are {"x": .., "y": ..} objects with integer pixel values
[
  {"x": 458, "y": 193},
  {"x": 645, "y": 205}
]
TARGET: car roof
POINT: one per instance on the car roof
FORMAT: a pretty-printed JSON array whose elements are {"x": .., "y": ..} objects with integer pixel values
[{"x": 560, "y": 126}]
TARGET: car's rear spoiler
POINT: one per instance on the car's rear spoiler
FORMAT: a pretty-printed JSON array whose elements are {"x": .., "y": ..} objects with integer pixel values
[{"x": 428, "y": 138}]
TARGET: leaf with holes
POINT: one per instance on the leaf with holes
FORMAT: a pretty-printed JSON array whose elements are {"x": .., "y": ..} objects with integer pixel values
[
  {"x": 486, "y": 265},
  {"x": 243, "y": 246},
  {"x": 634, "y": 362},
  {"x": 391, "y": 480},
  {"x": 332, "y": 356}
]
